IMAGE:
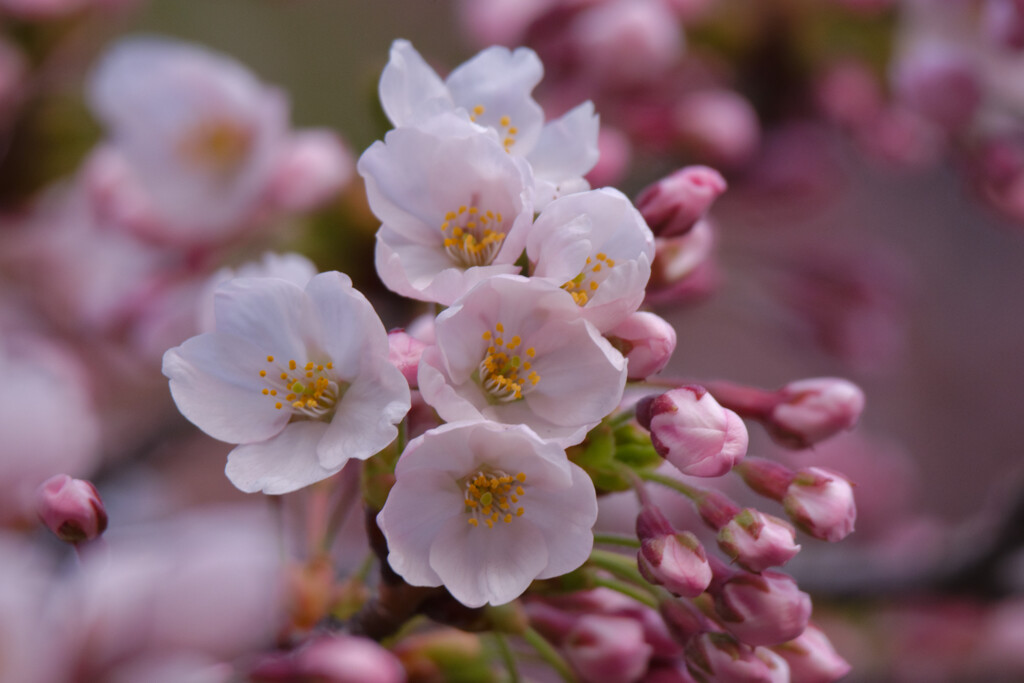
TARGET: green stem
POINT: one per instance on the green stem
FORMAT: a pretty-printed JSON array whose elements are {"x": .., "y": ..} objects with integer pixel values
[
  {"x": 507, "y": 657},
  {"x": 401, "y": 439},
  {"x": 627, "y": 589},
  {"x": 617, "y": 539},
  {"x": 550, "y": 655},
  {"x": 621, "y": 417},
  {"x": 689, "y": 491}
]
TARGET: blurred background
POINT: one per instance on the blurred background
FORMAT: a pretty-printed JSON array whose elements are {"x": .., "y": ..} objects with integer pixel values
[{"x": 873, "y": 229}]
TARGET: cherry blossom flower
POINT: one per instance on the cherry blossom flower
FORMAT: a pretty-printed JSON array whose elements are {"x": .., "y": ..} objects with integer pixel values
[
  {"x": 596, "y": 246},
  {"x": 484, "y": 509},
  {"x": 518, "y": 351},
  {"x": 300, "y": 379},
  {"x": 454, "y": 208},
  {"x": 494, "y": 90}
]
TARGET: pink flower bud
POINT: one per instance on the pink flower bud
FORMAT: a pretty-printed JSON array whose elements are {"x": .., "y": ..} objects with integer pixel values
[
  {"x": 821, "y": 503},
  {"x": 670, "y": 558},
  {"x": 71, "y": 508},
  {"x": 778, "y": 668},
  {"x": 313, "y": 167},
  {"x": 1003, "y": 23},
  {"x": 693, "y": 432},
  {"x": 675, "y": 203},
  {"x": 404, "y": 352},
  {"x": 812, "y": 659},
  {"x": 719, "y": 126},
  {"x": 647, "y": 341},
  {"x": 720, "y": 657},
  {"x": 347, "y": 659},
  {"x": 756, "y": 541},
  {"x": 762, "y": 609},
  {"x": 812, "y": 410},
  {"x": 605, "y": 649}
]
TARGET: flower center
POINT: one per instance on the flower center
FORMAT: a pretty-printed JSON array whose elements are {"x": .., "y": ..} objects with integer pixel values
[
  {"x": 499, "y": 371},
  {"x": 490, "y": 496},
  {"x": 217, "y": 144},
  {"x": 472, "y": 237},
  {"x": 309, "y": 391},
  {"x": 583, "y": 286},
  {"x": 505, "y": 128}
]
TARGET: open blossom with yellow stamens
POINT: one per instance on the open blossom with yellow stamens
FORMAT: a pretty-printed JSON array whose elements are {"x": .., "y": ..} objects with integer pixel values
[
  {"x": 518, "y": 351},
  {"x": 484, "y": 509},
  {"x": 454, "y": 208},
  {"x": 597, "y": 246},
  {"x": 298, "y": 377},
  {"x": 494, "y": 90}
]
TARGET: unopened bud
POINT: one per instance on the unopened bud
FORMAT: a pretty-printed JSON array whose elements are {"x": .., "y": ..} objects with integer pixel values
[
  {"x": 762, "y": 609},
  {"x": 608, "y": 649},
  {"x": 755, "y": 540},
  {"x": 71, "y": 508},
  {"x": 693, "y": 432},
  {"x": 404, "y": 352},
  {"x": 647, "y": 341},
  {"x": 673, "y": 205},
  {"x": 812, "y": 410},
  {"x": 821, "y": 503},
  {"x": 347, "y": 659},
  {"x": 778, "y": 668},
  {"x": 812, "y": 659},
  {"x": 670, "y": 558},
  {"x": 713, "y": 657}
]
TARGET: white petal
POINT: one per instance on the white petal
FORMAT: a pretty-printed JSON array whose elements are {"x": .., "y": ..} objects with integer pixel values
[
  {"x": 343, "y": 324},
  {"x": 479, "y": 565},
  {"x": 265, "y": 311},
  {"x": 567, "y": 521},
  {"x": 416, "y": 509},
  {"x": 567, "y": 147},
  {"x": 215, "y": 382},
  {"x": 282, "y": 464},
  {"x": 409, "y": 89}
]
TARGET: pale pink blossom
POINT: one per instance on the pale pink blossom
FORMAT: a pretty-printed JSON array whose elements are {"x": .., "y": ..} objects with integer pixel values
[
  {"x": 762, "y": 609},
  {"x": 493, "y": 90},
  {"x": 596, "y": 246},
  {"x": 647, "y": 341},
  {"x": 454, "y": 208},
  {"x": 518, "y": 351},
  {"x": 756, "y": 540},
  {"x": 299, "y": 378},
  {"x": 404, "y": 352},
  {"x": 821, "y": 503},
  {"x": 71, "y": 508},
  {"x": 484, "y": 509},
  {"x": 693, "y": 432},
  {"x": 607, "y": 649}
]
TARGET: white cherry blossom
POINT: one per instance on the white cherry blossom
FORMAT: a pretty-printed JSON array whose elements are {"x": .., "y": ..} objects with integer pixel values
[
  {"x": 299, "y": 378},
  {"x": 494, "y": 89},
  {"x": 484, "y": 509},
  {"x": 454, "y": 208},
  {"x": 596, "y": 246},
  {"x": 518, "y": 351}
]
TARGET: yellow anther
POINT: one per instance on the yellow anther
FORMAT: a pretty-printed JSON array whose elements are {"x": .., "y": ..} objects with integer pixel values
[
  {"x": 462, "y": 210},
  {"x": 521, "y": 478},
  {"x": 270, "y": 359},
  {"x": 263, "y": 373},
  {"x": 292, "y": 365},
  {"x": 309, "y": 366},
  {"x": 330, "y": 366},
  {"x": 512, "y": 130},
  {"x": 284, "y": 375},
  {"x": 499, "y": 327},
  {"x": 508, "y": 519},
  {"x": 505, "y": 121},
  {"x": 531, "y": 352},
  {"x": 601, "y": 256},
  {"x": 519, "y": 512},
  {"x": 273, "y": 392},
  {"x": 266, "y": 392},
  {"x": 473, "y": 522},
  {"x": 593, "y": 285},
  {"x": 278, "y": 406},
  {"x": 473, "y": 209},
  {"x": 486, "y": 335}
]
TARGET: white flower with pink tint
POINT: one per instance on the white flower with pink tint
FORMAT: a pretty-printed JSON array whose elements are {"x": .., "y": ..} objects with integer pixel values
[
  {"x": 597, "y": 247},
  {"x": 199, "y": 149},
  {"x": 454, "y": 208},
  {"x": 646, "y": 340},
  {"x": 518, "y": 351},
  {"x": 299, "y": 378},
  {"x": 484, "y": 509},
  {"x": 494, "y": 90}
]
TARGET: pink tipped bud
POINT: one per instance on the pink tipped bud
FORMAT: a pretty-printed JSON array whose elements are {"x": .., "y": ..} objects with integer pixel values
[
  {"x": 762, "y": 609},
  {"x": 720, "y": 657},
  {"x": 673, "y": 205},
  {"x": 71, "y": 508},
  {"x": 670, "y": 558},
  {"x": 768, "y": 478},
  {"x": 821, "y": 503},
  {"x": 647, "y": 341},
  {"x": 314, "y": 168},
  {"x": 778, "y": 668},
  {"x": 693, "y": 432},
  {"x": 404, "y": 352},
  {"x": 756, "y": 541},
  {"x": 1003, "y": 23},
  {"x": 812, "y": 659},
  {"x": 812, "y": 410},
  {"x": 347, "y": 659},
  {"x": 683, "y": 619},
  {"x": 606, "y": 649}
]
